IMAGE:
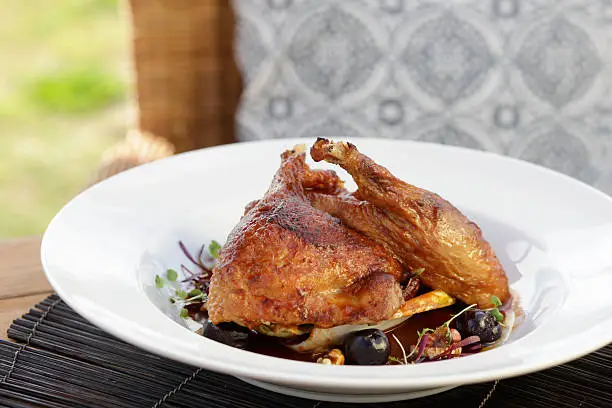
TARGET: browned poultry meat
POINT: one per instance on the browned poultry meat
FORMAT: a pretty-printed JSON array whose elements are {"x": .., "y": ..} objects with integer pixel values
[
  {"x": 422, "y": 229},
  {"x": 287, "y": 263}
]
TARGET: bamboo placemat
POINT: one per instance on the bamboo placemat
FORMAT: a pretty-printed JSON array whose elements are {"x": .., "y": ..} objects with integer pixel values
[{"x": 60, "y": 360}]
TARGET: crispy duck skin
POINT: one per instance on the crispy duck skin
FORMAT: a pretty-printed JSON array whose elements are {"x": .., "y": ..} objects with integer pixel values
[
  {"x": 288, "y": 263},
  {"x": 422, "y": 229}
]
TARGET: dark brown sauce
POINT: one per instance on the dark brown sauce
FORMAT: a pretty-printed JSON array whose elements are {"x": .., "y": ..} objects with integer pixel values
[
  {"x": 274, "y": 348},
  {"x": 406, "y": 333}
]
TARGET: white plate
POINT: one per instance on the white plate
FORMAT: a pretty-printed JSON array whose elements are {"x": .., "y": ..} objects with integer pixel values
[{"x": 552, "y": 233}]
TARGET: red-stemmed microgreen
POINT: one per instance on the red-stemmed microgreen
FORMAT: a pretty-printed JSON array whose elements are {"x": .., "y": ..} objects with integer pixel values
[
  {"x": 416, "y": 354},
  {"x": 198, "y": 280}
]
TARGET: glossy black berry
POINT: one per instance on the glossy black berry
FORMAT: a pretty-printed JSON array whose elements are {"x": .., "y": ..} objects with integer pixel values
[
  {"x": 479, "y": 323},
  {"x": 367, "y": 347}
]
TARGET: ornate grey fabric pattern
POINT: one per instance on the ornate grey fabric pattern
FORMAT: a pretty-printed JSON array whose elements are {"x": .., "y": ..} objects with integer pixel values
[{"x": 529, "y": 79}]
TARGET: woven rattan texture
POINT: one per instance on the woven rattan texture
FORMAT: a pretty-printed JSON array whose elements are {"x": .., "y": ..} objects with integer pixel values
[{"x": 187, "y": 83}]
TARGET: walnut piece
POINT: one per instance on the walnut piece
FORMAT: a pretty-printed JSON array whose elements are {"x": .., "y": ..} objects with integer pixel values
[{"x": 334, "y": 357}]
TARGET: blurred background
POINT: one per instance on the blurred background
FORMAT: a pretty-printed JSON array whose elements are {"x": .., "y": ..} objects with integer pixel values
[
  {"x": 64, "y": 68},
  {"x": 527, "y": 79}
]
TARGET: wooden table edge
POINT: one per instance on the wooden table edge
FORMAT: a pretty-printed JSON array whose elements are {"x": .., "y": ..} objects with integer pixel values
[{"x": 22, "y": 280}]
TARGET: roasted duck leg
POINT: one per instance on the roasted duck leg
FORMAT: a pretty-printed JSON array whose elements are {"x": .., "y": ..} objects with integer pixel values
[
  {"x": 289, "y": 264},
  {"x": 419, "y": 227}
]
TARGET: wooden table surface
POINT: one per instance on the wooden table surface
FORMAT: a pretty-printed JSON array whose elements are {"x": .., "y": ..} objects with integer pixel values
[{"x": 22, "y": 280}]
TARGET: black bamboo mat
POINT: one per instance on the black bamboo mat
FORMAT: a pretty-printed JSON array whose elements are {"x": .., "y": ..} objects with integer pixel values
[{"x": 60, "y": 360}]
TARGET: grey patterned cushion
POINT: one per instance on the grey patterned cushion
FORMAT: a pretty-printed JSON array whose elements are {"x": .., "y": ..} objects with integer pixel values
[{"x": 529, "y": 79}]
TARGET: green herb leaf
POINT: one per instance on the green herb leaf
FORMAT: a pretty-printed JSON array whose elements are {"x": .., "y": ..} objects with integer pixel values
[
  {"x": 495, "y": 300},
  {"x": 196, "y": 299},
  {"x": 171, "y": 300},
  {"x": 181, "y": 293},
  {"x": 159, "y": 282},
  {"x": 395, "y": 360},
  {"x": 425, "y": 330},
  {"x": 194, "y": 293},
  {"x": 497, "y": 315},
  {"x": 171, "y": 275},
  {"x": 214, "y": 249},
  {"x": 418, "y": 271},
  {"x": 184, "y": 313}
]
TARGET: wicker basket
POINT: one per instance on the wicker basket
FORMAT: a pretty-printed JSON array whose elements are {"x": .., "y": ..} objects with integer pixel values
[
  {"x": 186, "y": 86},
  {"x": 187, "y": 83}
]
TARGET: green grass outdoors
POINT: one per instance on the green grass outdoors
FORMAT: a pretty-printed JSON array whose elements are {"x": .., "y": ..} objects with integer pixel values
[{"x": 63, "y": 72}]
